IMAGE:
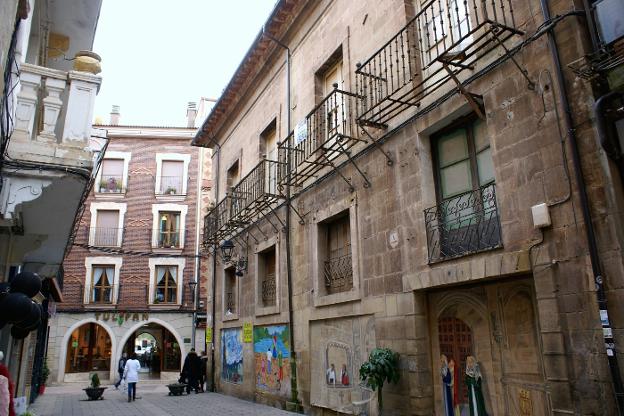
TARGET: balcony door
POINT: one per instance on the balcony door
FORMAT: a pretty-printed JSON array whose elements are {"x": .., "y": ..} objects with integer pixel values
[
  {"x": 111, "y": 179},
  {"x": 169, "y": 230},
  {"x": 338, "y": 265},
  {"x": 172, "y": 176},
  {"x": 334, "y": 107},
  {"x": 102, "y": 284},
  {"x": 465, "y": 182},
  {"x": 107, "y": 228},
  {"x": 269, "y": 138}
]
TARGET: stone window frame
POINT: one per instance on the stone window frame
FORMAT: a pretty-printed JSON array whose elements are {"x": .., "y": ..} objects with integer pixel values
[
  {"x": 101, "y": 261},
  {"x": 156, "y": 210},
  {"x": 321, "y": 216},
  {"x": 112, "y": 154},
  {"x": 94, "y": 207},
  {"x": 165, "y": 261},
  {"x": 262, "y": 247},
  {"x": 173, "y": 157},
  {"x": 229, "y": 267}
]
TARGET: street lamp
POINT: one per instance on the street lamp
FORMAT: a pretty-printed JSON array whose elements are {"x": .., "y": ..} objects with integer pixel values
[{"x": 227, "y": 247}]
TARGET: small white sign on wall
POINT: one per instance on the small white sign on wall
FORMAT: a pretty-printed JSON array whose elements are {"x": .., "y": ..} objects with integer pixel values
[{"x": 301, "y": 132}]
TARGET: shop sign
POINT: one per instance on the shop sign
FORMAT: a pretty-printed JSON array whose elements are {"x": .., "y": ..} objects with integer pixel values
[
  {"x": 208, "y": 335},
  {"x": 74, "y": 344},
  {"x": 120, "y": 317},
  {"x": 247, "y": 332}
]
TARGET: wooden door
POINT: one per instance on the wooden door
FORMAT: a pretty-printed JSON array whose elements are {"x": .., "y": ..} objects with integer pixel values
[{"x": 455, "y": 339}]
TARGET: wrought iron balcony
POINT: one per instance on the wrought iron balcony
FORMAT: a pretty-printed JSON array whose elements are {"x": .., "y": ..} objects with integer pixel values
[
  {"x": 170, "y": 185},
  {"x": 255, "y": 193},
  {"x": 444, "y": 38},
  {"x": 330, "y": 130},
  {"x": 338, "y": 274},
  {"x": 111, "y": 184},
  {"x": 217, "y": 222},
  {"x": 102, "y": 295},
  {"x": 268, "y": 291},
  {"x": 464, "y": 224},
  {"x": 169, "y": 239},
  {"x": 105, "y": 237}
]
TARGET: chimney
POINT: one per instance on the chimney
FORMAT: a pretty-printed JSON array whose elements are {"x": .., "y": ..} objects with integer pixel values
[
  {"x": 114, "y": 116},
  {"x": 191, "y": 114}
]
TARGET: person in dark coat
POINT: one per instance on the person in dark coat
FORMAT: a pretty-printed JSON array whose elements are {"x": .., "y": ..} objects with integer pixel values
[{"x": 191, "y": 371}]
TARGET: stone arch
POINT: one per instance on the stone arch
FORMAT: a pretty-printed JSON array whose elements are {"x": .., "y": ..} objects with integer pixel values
[
  {"x": 138, "y": 325},
  {"x": 70, "y": 330}
]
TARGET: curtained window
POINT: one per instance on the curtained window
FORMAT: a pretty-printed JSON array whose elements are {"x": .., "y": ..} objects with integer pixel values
[
  {"x": 169, "y": 230},
  {"x": 102, "y": 284},
  {"x": 166, "y": 288}
]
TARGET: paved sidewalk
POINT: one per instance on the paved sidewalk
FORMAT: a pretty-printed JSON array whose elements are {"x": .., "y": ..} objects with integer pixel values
[{"x": 70, "y": 400}]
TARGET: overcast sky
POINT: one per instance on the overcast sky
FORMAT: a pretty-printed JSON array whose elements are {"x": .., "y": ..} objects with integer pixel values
[{"x": 157, "y": 55}]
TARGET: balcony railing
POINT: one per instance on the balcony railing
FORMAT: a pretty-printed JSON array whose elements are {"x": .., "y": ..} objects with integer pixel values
[
  {"x": 268, "y": 291},
  {"x": 102, "y": 295},
  {"x": 411, "y": 65},
  {"x": 110, "y": 184},
  {"x": 330, "y": 130},
  {"x": 464, "y": 224},
  {"x": 170, "y": 185},
  {"x": 48, "y": 103},
  {"x": 338, "y": 273},
  {"x": 169, "y": 239},
  {"x": 217, "y": 222},
  {"x": 105, "y": 236},
  {"x": 254, "y": 193}
]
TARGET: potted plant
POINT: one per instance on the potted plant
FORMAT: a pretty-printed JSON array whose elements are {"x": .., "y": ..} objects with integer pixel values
[
  {"x": 45, "y": 373},
  {"x": 382, "y": 366},
  {"x": 103, "y": 185},
  {"x": 95, "y": 392},
  {"x": 176, "y": 389},
  {"x": 171, "y": 190}
]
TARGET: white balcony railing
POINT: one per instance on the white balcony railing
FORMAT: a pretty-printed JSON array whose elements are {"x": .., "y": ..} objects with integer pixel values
[{"x": 53, "y": 114}]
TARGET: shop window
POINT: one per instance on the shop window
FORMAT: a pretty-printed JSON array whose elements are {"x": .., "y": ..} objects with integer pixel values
[
  {"x": 88, "y": 349},
  {"x": 102, "y": 284},
  {"x": 172, "y": 355},
  {"x": 166, "y": 287}
]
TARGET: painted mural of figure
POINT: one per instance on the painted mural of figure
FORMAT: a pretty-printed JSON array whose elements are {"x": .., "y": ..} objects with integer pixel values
[
  {"x": 269, "y": 358},
  {"x": 331, "y": 375},
  {"x": 344, "y": 375},
  {"x": 274, "y": 346},
  {"x": 263, "y": 367},
  {"x": 473, "y": 382},
  {"x": 447, "y": 386},
  {"x": 280, "y": 370}
]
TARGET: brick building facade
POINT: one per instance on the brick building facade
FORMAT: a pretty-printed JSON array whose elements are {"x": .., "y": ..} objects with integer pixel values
[
  {"x": 126, "y": 285},
  {"x": 418, "y": 148}
]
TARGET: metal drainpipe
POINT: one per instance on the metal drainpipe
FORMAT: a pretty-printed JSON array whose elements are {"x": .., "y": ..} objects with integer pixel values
[
  {"x": 591, "y": 237},
  {"x": 213, "y": 386},
  {"x": 197, "y": 270},
  {"x": 293, "y": 358}
]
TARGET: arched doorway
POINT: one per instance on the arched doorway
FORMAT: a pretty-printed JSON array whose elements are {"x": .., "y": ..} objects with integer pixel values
[
  {"x": 455, "y": 338},
  {"x": 156, "y": 348},
  {"x": 89, "y": 349}
]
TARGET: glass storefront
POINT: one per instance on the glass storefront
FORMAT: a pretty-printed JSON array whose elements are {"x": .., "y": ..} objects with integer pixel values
[{"x": 88, "y": 349}]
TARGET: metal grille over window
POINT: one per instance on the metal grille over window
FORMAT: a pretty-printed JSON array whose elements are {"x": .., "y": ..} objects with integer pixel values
[{"x": 338, "y": 269}]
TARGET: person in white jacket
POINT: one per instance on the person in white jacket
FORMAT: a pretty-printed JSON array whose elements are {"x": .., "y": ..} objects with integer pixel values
[{"x": 131, "y": 375}]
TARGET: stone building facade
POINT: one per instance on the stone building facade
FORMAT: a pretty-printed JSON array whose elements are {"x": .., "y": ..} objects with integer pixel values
[
  {"x": 421, "y": 186},
  {"x": 129, "y": 277}
]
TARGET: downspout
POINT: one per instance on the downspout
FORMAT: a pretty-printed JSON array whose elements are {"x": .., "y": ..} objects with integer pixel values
[
  {"x": 196, "y": 278},
  {"x": 591, "y": 237},
  {"x": 213, "y": 387},
  {"x": 294, "y": 395}
]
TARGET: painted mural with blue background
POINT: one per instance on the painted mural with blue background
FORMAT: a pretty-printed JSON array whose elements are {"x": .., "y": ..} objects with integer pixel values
[{"x": 232, "y": 355}]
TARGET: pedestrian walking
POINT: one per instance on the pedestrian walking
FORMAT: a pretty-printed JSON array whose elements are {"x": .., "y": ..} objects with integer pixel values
[
  {"x": 121, "y": 366},
  {"x": 131, "y": 375},
  {"x": 191, "y": 371}
]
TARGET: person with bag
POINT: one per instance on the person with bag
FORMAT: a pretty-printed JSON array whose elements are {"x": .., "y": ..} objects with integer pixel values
[
  {"x": 131, "y": 375},
  {"x": 121, "y": 365},
  {"x": 191, "y": 371}
]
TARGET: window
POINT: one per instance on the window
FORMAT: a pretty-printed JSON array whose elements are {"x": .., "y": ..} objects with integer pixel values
[
  {"x": 230, "y": 293},
  {"x": 102, "y": 284},
  {"x": 169, "y": 230},
  {"x": 267, "y": 269},
  {"x": 89, "y": 349},
  {"x": 337, "y": 270},
  {"x": 233, "y": 175},
  {"x": 172, "y": 175},
  {"x": 166, "y": 287},
  {"x": 111, "y": 179},
  {"x": 466, "y": 218},
  {"x": 166, "y": 281},
  {"x": 106, "y": 229}
]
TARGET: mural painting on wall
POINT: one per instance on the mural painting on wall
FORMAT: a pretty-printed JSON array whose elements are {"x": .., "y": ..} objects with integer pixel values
[
  {"x": 272, "y": 359},
  {"x": 338, "y": 364},
  {"x": 232, "y": 355}
]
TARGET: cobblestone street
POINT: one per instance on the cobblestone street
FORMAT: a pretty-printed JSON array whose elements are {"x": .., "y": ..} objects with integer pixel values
[{"x": 70, "y": 400}]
